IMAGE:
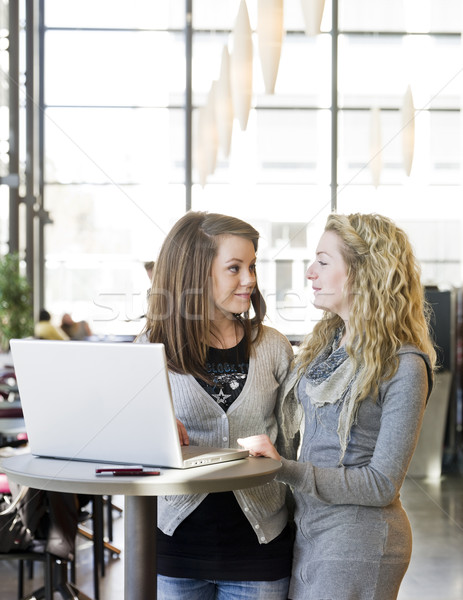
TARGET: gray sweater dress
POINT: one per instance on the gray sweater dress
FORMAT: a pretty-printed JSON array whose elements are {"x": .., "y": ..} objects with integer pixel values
[{"x": 353, "y": 539}]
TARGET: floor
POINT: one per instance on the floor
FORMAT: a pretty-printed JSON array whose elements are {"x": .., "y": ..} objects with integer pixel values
[{"x": 435, "y": 509}]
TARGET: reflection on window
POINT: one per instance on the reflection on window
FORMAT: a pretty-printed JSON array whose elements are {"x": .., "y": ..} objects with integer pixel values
[{"x": 115, "y": 143}]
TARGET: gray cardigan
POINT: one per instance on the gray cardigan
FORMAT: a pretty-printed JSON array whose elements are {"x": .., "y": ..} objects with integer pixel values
[{"x": 253, "y": 412}]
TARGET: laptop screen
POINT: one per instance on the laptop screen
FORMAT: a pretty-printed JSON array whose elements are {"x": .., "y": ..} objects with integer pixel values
[{"x": 97, "y": 401}]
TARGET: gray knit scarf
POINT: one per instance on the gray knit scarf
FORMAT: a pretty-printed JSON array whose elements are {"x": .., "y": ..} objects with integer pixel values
[{"x": 331, "y": 379}]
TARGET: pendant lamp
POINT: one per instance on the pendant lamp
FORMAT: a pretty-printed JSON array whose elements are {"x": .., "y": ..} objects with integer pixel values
[
  {"x": 224, "y": 105},
  {"x": 376, "y": 161},
  {"x": 241, "y": 66},
  {"x": 270, "y": 37},
  {"x": 206, "y": 138},
  {"x": 408, "y": 130},
  {"x": 312, "y": 11}
]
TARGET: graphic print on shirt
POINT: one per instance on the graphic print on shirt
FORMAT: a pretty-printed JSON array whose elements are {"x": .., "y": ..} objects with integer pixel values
[
  {"x": 229, "y": 380},
  {"x": 228, "y": 370}
]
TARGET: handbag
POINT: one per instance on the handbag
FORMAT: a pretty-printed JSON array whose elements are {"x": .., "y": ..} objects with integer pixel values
[{"x": 19, "y": 519}]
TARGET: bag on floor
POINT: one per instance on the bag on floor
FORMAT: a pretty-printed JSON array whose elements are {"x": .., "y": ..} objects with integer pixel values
[{"x": 19, "y": 519}]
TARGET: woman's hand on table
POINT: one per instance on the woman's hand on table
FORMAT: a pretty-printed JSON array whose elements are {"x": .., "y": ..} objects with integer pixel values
[{"x": 259, "y": 445}]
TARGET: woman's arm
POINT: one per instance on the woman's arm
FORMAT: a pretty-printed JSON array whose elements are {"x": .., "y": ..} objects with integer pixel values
[
  {"x": 288, "y": 412},
  {"x": 379, "y": 482}
]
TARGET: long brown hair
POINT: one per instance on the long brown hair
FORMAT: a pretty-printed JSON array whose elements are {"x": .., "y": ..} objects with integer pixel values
[{"x": 178, "y": 310}]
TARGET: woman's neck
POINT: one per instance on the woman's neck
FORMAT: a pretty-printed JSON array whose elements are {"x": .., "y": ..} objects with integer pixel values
[
  {"x": 345, "y": 336},
  {"x": 225, "y": 333}
]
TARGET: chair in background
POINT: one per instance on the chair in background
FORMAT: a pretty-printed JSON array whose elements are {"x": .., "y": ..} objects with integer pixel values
[
  {"x": 12, "y": 426},
  {"x": 8, "y": 386},
  {"x": 97, "y": 535},
  {"x": 55, "y": 549}
]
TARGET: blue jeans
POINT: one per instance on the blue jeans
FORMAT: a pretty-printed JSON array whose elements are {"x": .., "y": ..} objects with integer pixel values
[{"x": 176, "y": 588}]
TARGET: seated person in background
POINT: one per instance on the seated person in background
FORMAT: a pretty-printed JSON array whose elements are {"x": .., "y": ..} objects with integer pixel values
[
  {"x": 44, "y": 330},
  {"x": 76, "y": 330},
  {"x": 149, "y": 267}
]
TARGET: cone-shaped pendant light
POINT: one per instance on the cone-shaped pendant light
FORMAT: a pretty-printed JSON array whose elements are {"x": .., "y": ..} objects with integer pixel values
[
  {"x": 224, "y": 105},
  {"x": 408, "y": 130},
  {"x": 206, "y": 138},
  {"x": 241, "y": 66},
  {"x": 312, "y": 11},
  {"x": 270, "y": 37}
]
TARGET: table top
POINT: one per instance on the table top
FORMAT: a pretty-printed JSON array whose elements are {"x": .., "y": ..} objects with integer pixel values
[{"x": 79, "y": 477}]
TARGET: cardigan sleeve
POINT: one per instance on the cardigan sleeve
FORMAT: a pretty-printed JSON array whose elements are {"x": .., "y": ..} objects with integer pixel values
[
  {"x": 377, "y": 483},
  {"x": 283, "y": 356},
  {"x": 280, "y": 355},
  {"x": 289, "y": 414}
]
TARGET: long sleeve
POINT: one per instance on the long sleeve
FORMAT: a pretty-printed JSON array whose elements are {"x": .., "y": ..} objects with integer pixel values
[
  {"x": 377, "y": 483},
  {"x": 289, "y": 416}
]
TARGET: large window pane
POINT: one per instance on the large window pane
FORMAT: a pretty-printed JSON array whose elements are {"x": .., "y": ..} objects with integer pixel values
[
  {"x": 108, "y": 14},
  {"x": 355, "y": 152},
  {"x": 97, "y": 244},
  {"x": 114, "y": 145},
  {"x": 400, "y": 15},
  {"x": 377, "y": 70},
  {"x": 113, "y": 68},
  {"x": 445, "y": 147},
  {"x": 291, "y": 146},
  {"x": 115, "y": 142}
]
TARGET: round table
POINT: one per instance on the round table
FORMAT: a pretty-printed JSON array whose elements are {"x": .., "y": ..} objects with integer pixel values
[{"x": 140, "y": 515}]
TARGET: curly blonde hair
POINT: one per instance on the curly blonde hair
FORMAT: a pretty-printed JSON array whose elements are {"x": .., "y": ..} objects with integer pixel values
[{"x": 387, "y": 308}]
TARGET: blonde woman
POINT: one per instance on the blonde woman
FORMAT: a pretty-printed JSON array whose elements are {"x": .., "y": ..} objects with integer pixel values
[
  {"x": 226, "y": 368},
  {"x": 362, "y": 380}
]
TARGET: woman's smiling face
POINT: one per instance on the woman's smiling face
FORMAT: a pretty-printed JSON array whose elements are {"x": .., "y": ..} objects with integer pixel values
[{"x": 233, "y": 275}]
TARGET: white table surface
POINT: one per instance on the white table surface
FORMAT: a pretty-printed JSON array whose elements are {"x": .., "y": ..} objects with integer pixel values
[
  {"x": 79, "y": 477},
  {"x": 140, "y": 513}
]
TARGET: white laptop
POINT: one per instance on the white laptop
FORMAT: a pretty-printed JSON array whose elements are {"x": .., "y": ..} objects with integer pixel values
[{"x": 103, "y": 402}]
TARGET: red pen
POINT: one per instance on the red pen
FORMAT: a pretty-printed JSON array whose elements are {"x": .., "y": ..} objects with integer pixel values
[
  {"x": 135, "y": 473},
  {"x": 125, "y": 472},
  {"x": 119, "y": 470}
]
